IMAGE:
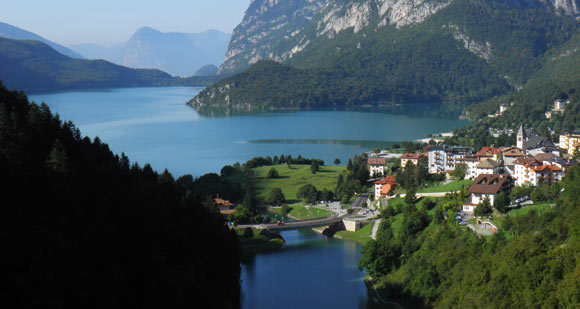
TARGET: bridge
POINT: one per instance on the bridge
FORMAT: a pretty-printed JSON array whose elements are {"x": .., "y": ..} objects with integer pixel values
[
  {"x": 308, "y": 224},
  {"x": 296, "y": 225}
]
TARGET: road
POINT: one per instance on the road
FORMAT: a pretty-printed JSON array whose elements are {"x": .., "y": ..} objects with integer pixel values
[
  {"x": 359, "y": 200},
  {"x": 431, "y": 194}
]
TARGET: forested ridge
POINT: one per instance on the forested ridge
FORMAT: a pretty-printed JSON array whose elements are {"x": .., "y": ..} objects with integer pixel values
[
  {"x": 426, "y": 62},
  {"x": 532, "y": 262},
  {"x": 35, "y": 66},
  {"x": 80, "y": 226}
]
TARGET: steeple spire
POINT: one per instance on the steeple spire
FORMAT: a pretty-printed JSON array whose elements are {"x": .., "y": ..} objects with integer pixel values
[{"x": 521, "y": 138}]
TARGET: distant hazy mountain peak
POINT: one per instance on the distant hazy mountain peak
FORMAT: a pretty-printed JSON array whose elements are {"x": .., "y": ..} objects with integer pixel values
[
  {"x": 177, "y": 53},
  {"x": 15, "y": 33}
]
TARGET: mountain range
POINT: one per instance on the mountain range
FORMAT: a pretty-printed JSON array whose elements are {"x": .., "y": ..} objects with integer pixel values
[
  {"x": 33, "y": 66},
  {"x": 307, "y": 53},
  {"x": 180, "y": 54},
  {"x": 15, "y": 33}
]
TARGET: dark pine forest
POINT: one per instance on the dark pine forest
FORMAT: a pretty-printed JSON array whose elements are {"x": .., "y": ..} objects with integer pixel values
[{"x": 82, "y": 226}]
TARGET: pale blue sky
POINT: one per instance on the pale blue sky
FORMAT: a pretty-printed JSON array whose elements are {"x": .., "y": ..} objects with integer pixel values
[{"x": 108, "y": 22}]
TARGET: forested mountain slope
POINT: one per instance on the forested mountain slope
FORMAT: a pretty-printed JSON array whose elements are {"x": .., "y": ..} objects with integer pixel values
[
  {"x": 373, "y": 52},
  {"x": 533, "y": 261},
  {"x": 35, "y": 66},
  {"x": 81, "y": 227}
]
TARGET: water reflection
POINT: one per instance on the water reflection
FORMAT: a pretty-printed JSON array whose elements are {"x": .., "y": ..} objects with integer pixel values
[{"x": 310, "y": 271}]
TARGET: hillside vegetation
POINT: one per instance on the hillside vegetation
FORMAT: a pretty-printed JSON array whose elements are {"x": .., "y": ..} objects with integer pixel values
[
  {"x": 469, "y": 51},
  {"x": 35, "y": 67},
  {"x": 82, "y": 227},
  {"x": 425, "y": 260}
]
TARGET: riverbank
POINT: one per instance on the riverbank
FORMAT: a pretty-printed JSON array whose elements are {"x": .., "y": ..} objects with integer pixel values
[{"x": 259, "y": 241}]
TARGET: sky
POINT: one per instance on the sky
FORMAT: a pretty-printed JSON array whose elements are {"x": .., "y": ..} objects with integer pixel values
[{"x": 108, "y": 22}]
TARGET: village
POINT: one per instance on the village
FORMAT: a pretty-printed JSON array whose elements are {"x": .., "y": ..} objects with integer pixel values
[{"x": 534, "y": 161}]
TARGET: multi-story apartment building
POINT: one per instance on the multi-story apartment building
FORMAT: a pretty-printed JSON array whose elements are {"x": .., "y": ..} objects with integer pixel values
[
  {"x": 570, "y": 141},
  {"x": 533, "y": 172},
  {"x": 444, "y": 158}
]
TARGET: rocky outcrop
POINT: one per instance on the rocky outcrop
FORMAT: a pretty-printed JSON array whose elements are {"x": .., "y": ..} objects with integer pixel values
[
  {"x": 567, "y": 7},
  {"x": 266, "y": 24},
  {"x": 279, "y": 30},
  {"x": 274, "y": 29}
]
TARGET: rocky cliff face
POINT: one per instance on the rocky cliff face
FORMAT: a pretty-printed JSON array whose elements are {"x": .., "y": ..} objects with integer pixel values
[
  {"x": 567, "y": 7},
  {"x": 352, "y": 15},
  {"x": 278, "y": 30},
  {"x": 265, "y": 24},
  {"x": 275, "y": 30}
]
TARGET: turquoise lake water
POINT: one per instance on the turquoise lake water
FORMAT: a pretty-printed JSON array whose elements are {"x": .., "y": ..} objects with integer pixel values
[{"x": 153, "y": 125}]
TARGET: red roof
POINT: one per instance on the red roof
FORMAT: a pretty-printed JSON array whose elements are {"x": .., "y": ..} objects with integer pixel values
[
  {"x": 220, "y": 202},
  {"x": 389, "y": 180},
  {"x": 386, "y": 189},
  {"x": 488, "y": 152},
  {"x": 412, "y": 156},
  {"x": 377, "y": 161},
  {"x": 513, "y": 152}
]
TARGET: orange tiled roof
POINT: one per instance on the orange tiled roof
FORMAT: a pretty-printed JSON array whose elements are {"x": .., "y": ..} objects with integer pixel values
[
  {"x": 389, "y": 180},
  {"x": 412, "y": 156},
  {"x": 513, "y": 152},
  {"x": 488, "y": 152},
  {"x": 219, "y": 201},
  {"x": 386, "y": 189},
  {"x": 377, "y": 161}
]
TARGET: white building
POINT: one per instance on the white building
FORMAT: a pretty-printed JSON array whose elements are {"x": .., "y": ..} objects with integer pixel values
[
  {"x": 384, "y": 187},
  {"x": 570, "y": 141},
  {"x": 489, "y": 186},
  {"x": 487, "y": 167},
  {"x": 376, "y": 166},
  {"x": 472, "y": 163},
  {"x": 534, "y": 172},
  {"x": 442, "y": 158},
  {"x": 531, "y": 143}
]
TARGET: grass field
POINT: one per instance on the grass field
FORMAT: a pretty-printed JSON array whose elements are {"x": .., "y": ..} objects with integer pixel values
[
  {"x": 291, "y": 179},
  {"x": 361, "y": 236},
  {"x": 540, "y": 208},
  {"x": 300, "y": 212},
  {"x": 454, "y": 186}
]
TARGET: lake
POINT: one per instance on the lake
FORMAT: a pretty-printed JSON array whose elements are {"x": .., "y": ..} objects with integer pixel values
[
  {"x": 310, "y": 271},
  {"x": 153, "y": 125}
]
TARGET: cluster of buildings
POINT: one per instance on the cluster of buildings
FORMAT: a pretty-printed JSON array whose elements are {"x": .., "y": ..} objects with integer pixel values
[
  {"x": 559, "y": 107},
  {"x": 502, "y": 109},
  {"x": 534, "y": 160}
]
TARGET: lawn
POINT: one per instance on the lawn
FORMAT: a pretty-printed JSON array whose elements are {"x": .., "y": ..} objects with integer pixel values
[
  {"x": 453, "y": 186},
  {"x": 361, "y": 236},
  {"x": 540, "y": 208},
  {"x": 292, "y": 178},
  {"x": 397, "y": 224},
  {"x": 300, "y": 212}
]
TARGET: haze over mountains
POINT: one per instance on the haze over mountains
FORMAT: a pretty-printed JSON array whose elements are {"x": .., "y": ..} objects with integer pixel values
[
  {"x": 180, "y": 54},
  {"x": 15, "y": 33}
]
